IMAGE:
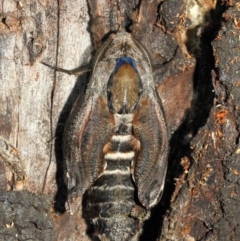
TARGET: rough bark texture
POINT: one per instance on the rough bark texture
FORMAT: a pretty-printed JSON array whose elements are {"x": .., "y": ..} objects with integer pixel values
[
  {"x": 202, "y": 195},
  {"x": 34, "y": 98},
  {"x": 205, "y": 205}
]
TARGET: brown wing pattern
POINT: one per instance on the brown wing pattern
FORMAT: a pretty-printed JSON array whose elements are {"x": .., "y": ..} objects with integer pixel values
[
  {"x": 151, "y": 165},
  {"x": 88, "y": 129}
]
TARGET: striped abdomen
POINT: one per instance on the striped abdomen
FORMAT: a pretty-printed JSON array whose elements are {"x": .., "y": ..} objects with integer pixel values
[{"x": 111, "y": 198}]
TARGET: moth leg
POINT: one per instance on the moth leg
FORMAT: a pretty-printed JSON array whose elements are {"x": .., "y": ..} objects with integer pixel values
[
  {"x": 140, "y": 213},
  {"x": 77, "y": 71},
  {"x": 69, "y": 204},
  {"x": 69, "y": 207}
]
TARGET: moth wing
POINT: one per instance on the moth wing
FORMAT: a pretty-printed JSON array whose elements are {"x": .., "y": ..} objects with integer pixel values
[
  {"x": 151, "y": 164},
  {"x": 87, "y": 131}
]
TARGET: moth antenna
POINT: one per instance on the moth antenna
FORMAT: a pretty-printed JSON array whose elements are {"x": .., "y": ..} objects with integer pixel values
[
  {"x": 69, "y": 207},
  {"x": 78, "y": 71}
]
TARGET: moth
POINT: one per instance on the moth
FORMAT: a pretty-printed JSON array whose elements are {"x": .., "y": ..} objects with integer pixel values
[{"x": 115, "y": 141}]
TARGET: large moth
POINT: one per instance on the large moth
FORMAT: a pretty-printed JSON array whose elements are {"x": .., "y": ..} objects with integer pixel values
[{"x": 115, "y": 141}]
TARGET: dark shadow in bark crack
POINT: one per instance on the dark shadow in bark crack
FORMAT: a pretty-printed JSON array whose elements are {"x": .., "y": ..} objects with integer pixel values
[{"x": 195, "y": 117}]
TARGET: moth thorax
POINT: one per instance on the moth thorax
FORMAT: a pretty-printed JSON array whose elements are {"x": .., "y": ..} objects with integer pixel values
[
  {"x": 123, "y": 123},
  {"x": 124, "y": 89}
]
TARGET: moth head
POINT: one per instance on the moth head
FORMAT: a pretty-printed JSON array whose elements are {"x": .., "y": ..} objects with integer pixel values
[{"x": 124, "y": 87}]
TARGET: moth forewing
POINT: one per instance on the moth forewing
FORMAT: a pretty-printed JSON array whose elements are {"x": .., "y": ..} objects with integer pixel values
[
  {"x": 81, "y": 171},
  {"x": 151, "y": 165},
  {"x": 72, "y": 137}
]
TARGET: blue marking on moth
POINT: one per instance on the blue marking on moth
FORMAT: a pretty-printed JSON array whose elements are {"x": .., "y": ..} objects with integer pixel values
[{"x": 125, "y": 60}]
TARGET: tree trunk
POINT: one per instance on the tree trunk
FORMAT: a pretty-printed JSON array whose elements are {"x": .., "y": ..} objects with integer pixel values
[
  {"x": 205, "y": 203},
  {"x": 201, "y": 198},
  {"x": 33, "y": 98}
]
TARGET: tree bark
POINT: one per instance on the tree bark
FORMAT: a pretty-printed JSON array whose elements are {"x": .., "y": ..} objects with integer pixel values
[
  {"x": 205, "y": 204},
  {"x": 33, "y": 98}
]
